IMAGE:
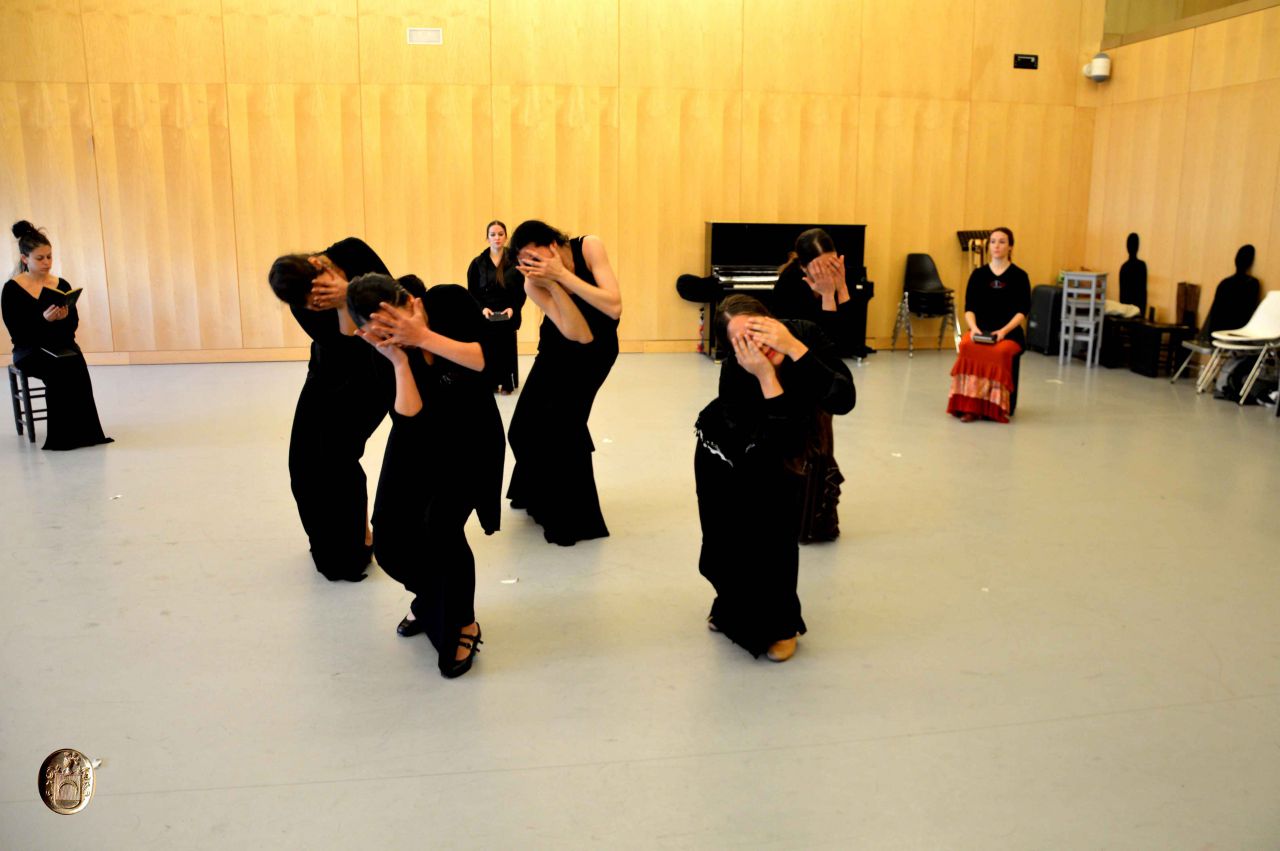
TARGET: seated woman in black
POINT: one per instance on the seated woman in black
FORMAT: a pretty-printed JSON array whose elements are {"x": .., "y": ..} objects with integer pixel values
[
  {"x": 44, "y": 345},
  {"x": 443, "y": 458},
  {"x": 573, "y": 283},
  {"x": 812, "y": 286},
  {"x": 347, "y": 393},
  {"x": 754, "y": 440},
  {"x": 996, "y": 302},
  {"x": 501, "y": 298}
]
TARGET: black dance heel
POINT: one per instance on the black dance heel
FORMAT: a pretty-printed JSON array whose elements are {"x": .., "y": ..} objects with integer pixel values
[
  {"x": 457, "y": 668},
  {"x": 409, "y": 627}
]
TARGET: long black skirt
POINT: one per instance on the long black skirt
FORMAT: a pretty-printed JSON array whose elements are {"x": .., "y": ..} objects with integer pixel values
[
  {"x": 501, "y": 365},
  {"x": 72, "y": 415},
  {"x": 553, "y": 478},
  {"x": 331, "y": 426},
  {"x": 750, "y": 516},
  {"x": 419, "y": 537}
]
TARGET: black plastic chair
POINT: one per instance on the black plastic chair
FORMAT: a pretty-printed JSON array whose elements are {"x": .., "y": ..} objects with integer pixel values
[
  {"x": 925, "y": 297},
  {"x": 21, "y": 392}
]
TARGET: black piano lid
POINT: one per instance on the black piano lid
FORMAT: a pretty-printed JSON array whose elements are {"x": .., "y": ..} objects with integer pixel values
[{"x": 770, "y": 243}]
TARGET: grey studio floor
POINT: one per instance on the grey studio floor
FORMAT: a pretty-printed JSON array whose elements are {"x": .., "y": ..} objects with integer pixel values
[{"x": 1062, "y": 633}]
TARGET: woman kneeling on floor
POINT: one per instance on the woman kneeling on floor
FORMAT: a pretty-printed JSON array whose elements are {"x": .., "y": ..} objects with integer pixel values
[{"x": 754, "y": 441}]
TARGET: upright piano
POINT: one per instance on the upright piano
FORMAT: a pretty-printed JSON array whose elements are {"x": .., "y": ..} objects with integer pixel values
[{"x": 745, "y": 258}]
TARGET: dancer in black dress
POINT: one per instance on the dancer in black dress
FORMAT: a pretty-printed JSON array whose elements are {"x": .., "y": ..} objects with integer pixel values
[
  {"x": 811, "y": 285},
  {"x": 44, "y": 345},
  {"x": 348, "y": 391},
  {"x": 501, "y": 297},
  {"x": 444, "y": 456},
  {"x": 571, "y": 280},
  {"x": 753, "y": 442}
]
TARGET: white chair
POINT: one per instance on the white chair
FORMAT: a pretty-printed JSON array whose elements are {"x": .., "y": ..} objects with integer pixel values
[
  {"x": 1084, "y": 302},
  {"x": 1260, "y": 334}
]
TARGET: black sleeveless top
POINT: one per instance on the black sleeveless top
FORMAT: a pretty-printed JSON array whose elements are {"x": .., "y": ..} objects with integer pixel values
[{"x": 604, "y": 329}]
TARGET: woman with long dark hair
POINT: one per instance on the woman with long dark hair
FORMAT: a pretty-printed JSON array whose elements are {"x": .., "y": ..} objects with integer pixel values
[
  {"x": 501, "y": 298},
  {"x": 44, "y": 343},
  {"x": 996, "y": 302},
  {"x": 811, "y": 285},
  {"x": 754, "y": 441},
  {"x": 347, "y": 393},
  {"x": 443, "y": 458},
  {"x": 574, "y": 285}
]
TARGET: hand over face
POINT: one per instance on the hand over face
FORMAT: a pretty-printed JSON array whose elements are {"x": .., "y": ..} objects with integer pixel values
[
  {"x": 329, "y": 288},
  {"x": 774, "y": 338},
  {"x": 405, "y": 325},
  {"x": 390, "y": 351},
  {"x": 825, "y": 275},
  {"x": 750, "y": 355},
  {"x": 544, "y": 263}
]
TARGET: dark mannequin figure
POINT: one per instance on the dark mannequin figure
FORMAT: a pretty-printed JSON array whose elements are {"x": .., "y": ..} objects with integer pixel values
[
  {"x": 1133, "y": 278},
  {"x": 1236, "y": 297}
]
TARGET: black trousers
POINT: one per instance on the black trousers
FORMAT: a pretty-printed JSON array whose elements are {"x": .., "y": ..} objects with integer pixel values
[
  {"x": 72, "y": 415},
  {"x": 331, "y": 425},
  {"x": 503, "y": 369},
  {"x": 750, "y": 517}
]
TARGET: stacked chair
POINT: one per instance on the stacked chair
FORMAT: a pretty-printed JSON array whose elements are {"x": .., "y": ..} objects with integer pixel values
[
  {"x": 1261, "y": 334},
  {"x": 925, "y": 297}
]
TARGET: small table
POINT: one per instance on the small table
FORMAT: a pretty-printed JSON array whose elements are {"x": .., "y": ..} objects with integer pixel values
[{"x": 1155, "y": 345}]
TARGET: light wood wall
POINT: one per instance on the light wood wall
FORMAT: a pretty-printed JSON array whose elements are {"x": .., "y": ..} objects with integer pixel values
[
  {"x": 172, "y": 150},
  {"x": 1186, "y": 154}
]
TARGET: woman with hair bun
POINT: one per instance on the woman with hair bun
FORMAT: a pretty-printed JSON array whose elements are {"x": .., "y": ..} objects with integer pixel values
[
  {"x": 346, "y": 395},
  {"x": 44, "y": 344},
  {"x": 573, "y": 283},
  {"x": 443, "y": 458}
]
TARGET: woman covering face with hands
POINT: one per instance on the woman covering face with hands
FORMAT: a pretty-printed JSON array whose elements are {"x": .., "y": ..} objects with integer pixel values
[
  {"x": 573, "y": 283},
  {"x": 346, "y": 395},
  {"x": 443, "y": 458},
  {"x": 754, "y": 441},
  {"x": 812, "y": 285}
]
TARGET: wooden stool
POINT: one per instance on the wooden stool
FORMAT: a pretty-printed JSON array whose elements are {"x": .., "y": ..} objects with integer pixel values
[{"x": 22, "y": 394}]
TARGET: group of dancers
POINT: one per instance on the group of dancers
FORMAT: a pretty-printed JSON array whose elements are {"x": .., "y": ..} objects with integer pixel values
[{"x": 433, "y": 358}]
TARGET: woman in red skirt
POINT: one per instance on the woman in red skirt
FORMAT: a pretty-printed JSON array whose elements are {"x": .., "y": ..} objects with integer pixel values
[{"x": 996, "y": 303}]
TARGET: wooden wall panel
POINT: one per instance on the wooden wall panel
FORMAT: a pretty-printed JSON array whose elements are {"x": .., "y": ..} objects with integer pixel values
[
  {"x": 803, "y": 46},
  {"x": 46, "y": 144},
  {"x": 1238, "y": 50},
  {"x": 555, "y": 156},
  {"x": 799, "y": 158},
  {"x": 1151, "y": 69},
  {"x": 165, "y": 184},
  {"x": 680, "y": 166},
  {"x": 300, "y": 146},
  {"x": 428, "y": 179},
  {"x": 681, "y": 45},
  {"x": 43, "y": 42},
  {"x": 585, "y": 38},
  {"x": 911, "y": 190},
  {"x": 918, "y": 48},
  {"x": 139, "y": 41},
  {"x": 287, "y": 41},
  {"x": 1230, "y": 166},
  {"x": 386, "y": 57},
  {"x": 1021, "y": 159},
  {"x": 1005, "y": 27},
  {"x": 1140, "y": 168}
]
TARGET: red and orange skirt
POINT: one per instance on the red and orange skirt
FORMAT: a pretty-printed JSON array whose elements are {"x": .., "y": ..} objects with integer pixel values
[{"x": 982, "y": 379}]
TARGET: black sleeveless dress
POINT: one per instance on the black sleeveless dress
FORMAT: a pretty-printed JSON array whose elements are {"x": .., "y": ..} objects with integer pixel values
[{"x": 553, "y": 476}]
